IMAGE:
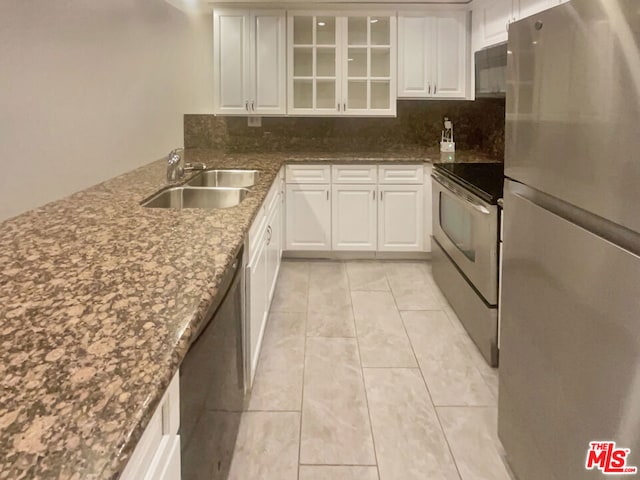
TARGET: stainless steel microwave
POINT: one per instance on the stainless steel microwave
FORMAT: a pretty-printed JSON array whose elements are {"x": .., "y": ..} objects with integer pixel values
[{"x": 491, "y": 72}]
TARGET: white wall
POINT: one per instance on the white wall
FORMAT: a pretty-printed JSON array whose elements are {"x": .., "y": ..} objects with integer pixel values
[{"x": 90, "y": 89}]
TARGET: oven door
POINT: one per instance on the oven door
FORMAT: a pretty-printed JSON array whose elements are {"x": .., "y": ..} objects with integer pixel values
[{"x": 466, "y": 227}]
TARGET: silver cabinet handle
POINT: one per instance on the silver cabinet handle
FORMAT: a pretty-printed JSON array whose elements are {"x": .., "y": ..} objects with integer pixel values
[
  {"x": 381, "y": 196},
  {"x": 344, "y": 107},
  {"x": 429, "y": 89},
  {"x": 338, "y": 107},
  {"x": 435, "y": 89},
  {"x": 269, "y": 235},
  {"x": 327, "y": 194},
  {"x": 253, "y": 106},
  {"x": 374, "y": 194},
  {"x": 246, "y": 105}
]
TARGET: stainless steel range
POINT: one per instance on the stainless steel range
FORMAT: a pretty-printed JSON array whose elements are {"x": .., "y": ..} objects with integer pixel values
[{"x": 465, "y": 240}]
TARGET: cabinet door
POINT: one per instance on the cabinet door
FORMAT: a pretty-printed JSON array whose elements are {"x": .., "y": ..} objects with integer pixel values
[
  {"x": 274, "y": 230},
  {"x": 166, "y": 464},
  {"x": 257, "y": 308},
  {"x": 415, "y": 52},
  {"x": 353, "y": 219},
  {"x": 450, "y": 55},
  {"x": 268, "y": 61},
  {"x": 428, "y": 213},
  {"x": 232, "y": 61},
  {"x": 400, "y": 218},
  {"x": 369, "y": 65},
  {"x": 495, "y": 18},
  {"x": 314, "y": 64},
  {"x": 308, "y": 217},
  {"x": 526, "y": 8}
]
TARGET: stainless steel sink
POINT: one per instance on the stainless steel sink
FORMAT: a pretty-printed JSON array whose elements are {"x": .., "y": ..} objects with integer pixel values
[
  {"x": 186, "y": 197},
  {"x": 225, "y": 178}
]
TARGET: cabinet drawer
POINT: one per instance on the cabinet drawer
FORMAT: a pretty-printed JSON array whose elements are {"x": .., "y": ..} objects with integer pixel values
[
  {"x": 308, "y": 174},
  {"x": 354, "y": 174},
  {"x": 400, "y": 174}
]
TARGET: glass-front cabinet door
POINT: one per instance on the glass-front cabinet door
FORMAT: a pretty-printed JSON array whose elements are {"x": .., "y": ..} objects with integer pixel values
[
  {"x": 369, "y": 63},
  {"x": 314, "y": 78},
  {"x": 342, "y": 65}
]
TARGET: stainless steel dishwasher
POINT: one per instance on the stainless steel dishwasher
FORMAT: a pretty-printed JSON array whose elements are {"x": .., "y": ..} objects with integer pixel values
[{"x": 212, "y": 385}]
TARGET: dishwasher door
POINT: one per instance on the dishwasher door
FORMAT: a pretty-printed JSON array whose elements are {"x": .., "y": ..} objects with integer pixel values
[{"x": 212, "y": 386}]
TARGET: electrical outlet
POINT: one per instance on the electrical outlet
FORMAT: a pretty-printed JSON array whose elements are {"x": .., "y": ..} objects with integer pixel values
[{"x": 254, "y": 121}]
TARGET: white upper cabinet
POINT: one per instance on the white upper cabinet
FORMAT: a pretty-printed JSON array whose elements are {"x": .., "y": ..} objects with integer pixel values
[
  {"x": 249, "y": 62},
  {"x": 491, "y": 18},
  {"x": 526, "y": 8},
  {"x": 433, "y": 55},
  {"x": 451, "y": 55},
  {"x": 341, "y": 64}
]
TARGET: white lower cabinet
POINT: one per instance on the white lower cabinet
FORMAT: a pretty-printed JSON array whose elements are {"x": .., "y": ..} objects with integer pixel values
[
  {"x": 273, "y": 246},
  {"x": 427, "y": 214},
  {"x": 157, "y": 454},
  {"x": 166, "y": 466},
  {"x": 308, "y": 217},
  {"x": 264, "y": 251},
  {"x": 400, "y": 218},
  {"x": 358, "y": 208},
  {"x": 257, "y": 296},
  {"x": 353, "y": 217}
]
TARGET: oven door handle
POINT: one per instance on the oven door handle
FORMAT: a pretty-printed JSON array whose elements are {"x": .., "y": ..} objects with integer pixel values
[{"x": 460, "y": 193}]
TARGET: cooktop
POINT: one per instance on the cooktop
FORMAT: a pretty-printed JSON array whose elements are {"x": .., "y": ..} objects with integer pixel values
[{"x": 486, "y": 180}]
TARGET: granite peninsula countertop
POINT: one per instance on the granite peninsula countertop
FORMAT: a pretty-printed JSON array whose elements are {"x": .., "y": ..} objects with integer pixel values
[{"x": 99, "y": 299}]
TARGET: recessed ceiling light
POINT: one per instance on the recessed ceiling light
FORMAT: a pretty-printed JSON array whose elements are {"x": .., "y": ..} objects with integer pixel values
[
  {"x": 350, "y": 59},
  {"x": 374, "y": 20},
  {"x": 321, "y": 24}
]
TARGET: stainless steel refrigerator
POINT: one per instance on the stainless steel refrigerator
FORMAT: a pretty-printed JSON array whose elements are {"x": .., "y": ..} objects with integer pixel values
[{"x": 570, "y": 328}]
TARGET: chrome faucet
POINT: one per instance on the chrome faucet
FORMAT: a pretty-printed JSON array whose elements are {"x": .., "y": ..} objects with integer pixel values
[{"x": 175, "y": 171}]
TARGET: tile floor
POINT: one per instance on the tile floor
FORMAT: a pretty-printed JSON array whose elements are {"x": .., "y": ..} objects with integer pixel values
[{"x": 367, "y": 374}]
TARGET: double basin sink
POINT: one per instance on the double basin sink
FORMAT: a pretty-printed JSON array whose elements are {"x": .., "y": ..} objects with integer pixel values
[{"x": 209, "y": 189}]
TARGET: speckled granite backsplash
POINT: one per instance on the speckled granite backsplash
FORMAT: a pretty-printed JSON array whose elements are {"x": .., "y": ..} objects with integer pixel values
[{"x": 478, "y": 125}]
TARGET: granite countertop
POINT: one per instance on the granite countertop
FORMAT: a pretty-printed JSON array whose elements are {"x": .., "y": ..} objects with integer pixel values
[{"x": 99, "y": 299}]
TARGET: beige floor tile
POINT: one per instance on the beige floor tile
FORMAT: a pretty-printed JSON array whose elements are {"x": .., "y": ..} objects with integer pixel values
[
  {"x": 313, "y": 472},
  {"x": 472, "y": 436},
  {"x": 435, "y": 290},
  {"x": 489, "y": 374},
  {"x": 367, "y": 276},
  {"x": 381, "y": 336},
  {"x": 278, "y": 380},
  {"x": 335, "y": 421},
  {"x": 292, "y": 288},
  {"x": 267, "y": 447},
  {"x": 450, "y": 373},
  {"x": 410, "y": 285},
  {"x": 454, "y": 320},
  {"x": 330, "y": 313},
  {"x": 410, "y": 444}
]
